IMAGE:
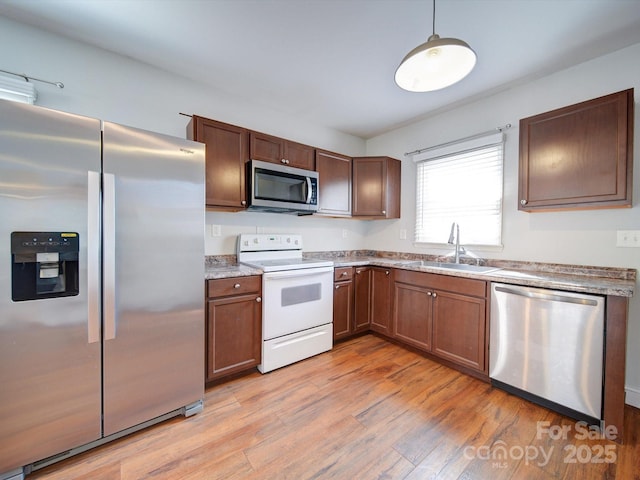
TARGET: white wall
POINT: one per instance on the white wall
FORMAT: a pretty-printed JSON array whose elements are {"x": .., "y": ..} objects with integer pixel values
[
  {"x": 116, "y": 88},
  {"x": 574, "y": 237},
  {"x": 112, "y": 87}
]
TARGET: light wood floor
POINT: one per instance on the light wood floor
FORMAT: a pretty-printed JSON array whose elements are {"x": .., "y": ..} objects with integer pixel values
[{"x": 368, "y": 409}]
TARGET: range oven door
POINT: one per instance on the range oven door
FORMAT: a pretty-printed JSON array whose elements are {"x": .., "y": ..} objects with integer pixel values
[{"x": 296, "y": 300}]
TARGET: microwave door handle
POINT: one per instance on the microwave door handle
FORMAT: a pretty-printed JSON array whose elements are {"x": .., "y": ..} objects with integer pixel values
[{"x": 308, "y": 190}]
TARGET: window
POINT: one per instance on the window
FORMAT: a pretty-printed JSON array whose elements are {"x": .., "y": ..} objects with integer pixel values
[
  {"x": 460, "y": 182},
  {"x": 17, "y": 90}
]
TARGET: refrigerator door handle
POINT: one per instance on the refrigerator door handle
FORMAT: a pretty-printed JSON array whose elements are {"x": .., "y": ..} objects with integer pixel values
[
  {"x": 93, "y": 256},
  {"x": 109, "y": 255}
]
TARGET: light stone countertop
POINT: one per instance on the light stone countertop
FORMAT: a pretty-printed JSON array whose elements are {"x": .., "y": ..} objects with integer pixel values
[{"x": 585, "y": 279}]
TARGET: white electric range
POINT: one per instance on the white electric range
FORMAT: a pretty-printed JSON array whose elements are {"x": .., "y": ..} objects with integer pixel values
[{"x": 297, "y": 293}]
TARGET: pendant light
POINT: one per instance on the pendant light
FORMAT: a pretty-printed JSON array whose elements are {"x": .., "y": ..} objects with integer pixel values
[{"x": 436, "y": 64}]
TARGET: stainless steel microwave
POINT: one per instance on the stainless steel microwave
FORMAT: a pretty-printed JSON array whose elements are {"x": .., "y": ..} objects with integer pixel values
[{"x": 282, "y": 189}]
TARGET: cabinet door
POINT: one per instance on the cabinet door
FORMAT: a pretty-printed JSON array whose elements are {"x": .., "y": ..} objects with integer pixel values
[
  {"x": 362, "y": 299},
  {"x": 412, "y": 315},
  {"x": 278, "y": 150},
  {"x": 234, "y": 335},
  {"x": 578, "y": 156},
  {"x": 334, "y": 181},
  {"x": 376, "y": 187},
  {"x": 459, "y": 326},
  {"x": 342, "y": 310},
  {"x": 299, "y": 155},
  {"x": 266, "y": 148},
  {"x": 381, "y": 279},
  {"x": 226, "y": 155}
]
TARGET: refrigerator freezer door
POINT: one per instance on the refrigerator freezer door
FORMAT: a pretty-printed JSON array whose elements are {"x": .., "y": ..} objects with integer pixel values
[
  {"x": 154, "y": 338},
  {"x": 50, "y": 395}
]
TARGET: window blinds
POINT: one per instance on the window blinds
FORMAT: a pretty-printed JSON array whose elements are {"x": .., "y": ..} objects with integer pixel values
[
  {"x": 17, "y": 90},
  {"x": 461, "y": 182}
]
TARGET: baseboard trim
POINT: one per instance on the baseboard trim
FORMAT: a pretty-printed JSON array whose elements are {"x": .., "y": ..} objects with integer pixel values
[{"x": 632, "y": 397}]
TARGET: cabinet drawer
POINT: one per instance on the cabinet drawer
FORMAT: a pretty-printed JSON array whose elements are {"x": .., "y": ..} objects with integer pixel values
[
  {"x": 465, "y": 286},
  {"x": 223, "y": 287},
  {"x": 342, "y": 273}
]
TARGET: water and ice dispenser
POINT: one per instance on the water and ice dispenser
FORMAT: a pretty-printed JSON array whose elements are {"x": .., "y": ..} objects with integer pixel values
[{"x": 44, "y": 265}]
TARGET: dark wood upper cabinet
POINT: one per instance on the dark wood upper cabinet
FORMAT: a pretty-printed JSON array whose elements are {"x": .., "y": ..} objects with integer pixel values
[
  {"x": 364, "y": 187},
  {"x": 376, "y": 187},
  {"x": 227, "y": 150},
  {"x": 578, "y": 157},
  {"x": 278, "y": 150},
  {"x": 334, "y": 172}
]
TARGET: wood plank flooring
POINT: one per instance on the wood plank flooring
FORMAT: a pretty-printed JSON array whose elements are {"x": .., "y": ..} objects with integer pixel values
[{"x": 366, "y": 410}]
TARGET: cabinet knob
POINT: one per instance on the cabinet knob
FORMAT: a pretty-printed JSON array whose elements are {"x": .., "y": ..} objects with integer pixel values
[
  {"x": 384, "y": 212},
  {"x": 243, "y": 202},
  {"x": 285, "y": 161},
  {"x": 259, "y": 299},
  {"x": 337, "y": 287},
  {"x": 429, "y": 293},
  {"x": 435, "y": 294},
  {"x": 344, "y": 274},
  {"x": 386, "y": 272},
  {"x": 237, "y": 285},
  {"x": 523, "y": 202}
]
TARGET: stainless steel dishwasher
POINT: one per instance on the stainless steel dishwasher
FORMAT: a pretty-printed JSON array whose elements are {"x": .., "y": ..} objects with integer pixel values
[{"x": 547, "y": 346}]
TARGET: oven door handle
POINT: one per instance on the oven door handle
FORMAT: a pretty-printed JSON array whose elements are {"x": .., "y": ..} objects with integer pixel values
[
  {"x": 307, "y": 272},
  {"x": 309, "y": 190}
]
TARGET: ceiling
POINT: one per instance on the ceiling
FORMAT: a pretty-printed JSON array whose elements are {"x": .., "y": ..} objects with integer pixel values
[{"x": 332, "y": 62}]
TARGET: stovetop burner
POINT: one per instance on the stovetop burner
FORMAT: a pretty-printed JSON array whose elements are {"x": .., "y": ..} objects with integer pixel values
[
  {"x": 288, "y": 264},
  {"x": 273, "y": 253}
]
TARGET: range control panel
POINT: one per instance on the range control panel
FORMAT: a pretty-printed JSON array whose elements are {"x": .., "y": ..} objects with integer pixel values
[{"x": 261, "y": 242}]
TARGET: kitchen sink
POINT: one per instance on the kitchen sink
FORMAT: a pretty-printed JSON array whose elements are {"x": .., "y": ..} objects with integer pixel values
[{"x": 448, "y": 266}]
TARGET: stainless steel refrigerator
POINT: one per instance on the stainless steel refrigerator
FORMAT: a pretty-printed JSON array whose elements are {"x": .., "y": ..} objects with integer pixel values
[{"x": 101, "y": 281}]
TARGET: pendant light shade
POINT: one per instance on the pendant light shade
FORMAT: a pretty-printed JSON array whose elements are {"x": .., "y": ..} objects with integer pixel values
[{"x": 436, "y": 64}]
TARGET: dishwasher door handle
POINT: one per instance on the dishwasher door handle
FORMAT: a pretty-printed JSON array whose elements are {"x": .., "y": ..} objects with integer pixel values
[{"x": 552, "y": 297}]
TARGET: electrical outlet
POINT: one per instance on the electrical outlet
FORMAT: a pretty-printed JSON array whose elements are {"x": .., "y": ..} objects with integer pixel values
[
  {"x": 403, "y": 234},
  {"x": 216, "y": 230},
  {"x": 345, "y": 233},
  {"x": 628, "y": 238}
]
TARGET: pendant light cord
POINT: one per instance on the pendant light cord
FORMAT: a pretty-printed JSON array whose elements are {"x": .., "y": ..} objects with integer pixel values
[{"x": 434, "y": 17}]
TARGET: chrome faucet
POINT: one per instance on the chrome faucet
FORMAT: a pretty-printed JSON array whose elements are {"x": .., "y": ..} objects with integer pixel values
[{"x": 456, "y": 227}]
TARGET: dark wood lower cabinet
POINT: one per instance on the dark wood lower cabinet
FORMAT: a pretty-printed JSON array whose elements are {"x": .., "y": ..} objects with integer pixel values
[
  {"x": 381, "y": 284},
  {"x": 459, "y": 324},
  {"x": 362, "y": 299},
  {"x": 442, "y": 315},
  {"x": 234, "y": 326},
  {"x": 343, "y": 303},
  {"x": 412, "y": 315}
]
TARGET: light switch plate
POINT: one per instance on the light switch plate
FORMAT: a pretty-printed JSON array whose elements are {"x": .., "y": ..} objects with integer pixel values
[
  {"x": 628, "y": 238},
  {"x": 216, "y": 230}
]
